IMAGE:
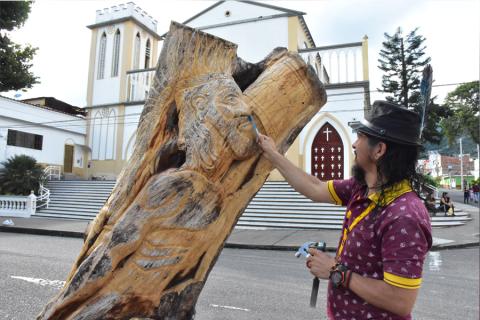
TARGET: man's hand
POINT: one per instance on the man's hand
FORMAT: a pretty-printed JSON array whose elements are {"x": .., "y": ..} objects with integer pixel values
[
  {"x": 268, "y": 146},
  {"x": 320, "y": 263}
]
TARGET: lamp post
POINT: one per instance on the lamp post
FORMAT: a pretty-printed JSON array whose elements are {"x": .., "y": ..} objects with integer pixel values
[{"x": 461, "y": 164}]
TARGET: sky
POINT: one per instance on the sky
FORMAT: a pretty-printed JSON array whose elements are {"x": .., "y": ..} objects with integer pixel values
[{"x": 451, "y": 29}]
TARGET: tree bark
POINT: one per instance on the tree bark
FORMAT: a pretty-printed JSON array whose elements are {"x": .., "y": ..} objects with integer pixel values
[{"x": 194, "y": 169}]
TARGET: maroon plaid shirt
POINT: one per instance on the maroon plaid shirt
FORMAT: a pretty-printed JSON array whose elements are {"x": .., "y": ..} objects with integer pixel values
[{"x": 389, "y": 244}]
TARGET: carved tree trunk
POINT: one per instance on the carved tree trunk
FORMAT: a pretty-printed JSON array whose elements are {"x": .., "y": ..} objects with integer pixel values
[{"x": 194, "y": 169}]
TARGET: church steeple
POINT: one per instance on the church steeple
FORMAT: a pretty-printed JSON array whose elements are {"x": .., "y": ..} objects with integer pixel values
[{"x": 124, "y": 38}]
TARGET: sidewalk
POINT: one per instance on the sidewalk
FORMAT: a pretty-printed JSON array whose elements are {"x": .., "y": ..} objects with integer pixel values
[{"x": 272, "y": 239}]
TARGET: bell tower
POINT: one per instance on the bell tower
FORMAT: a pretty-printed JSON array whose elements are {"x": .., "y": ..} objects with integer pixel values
[
  {"x": 124, "y": 38},
  {"x": 124, "y": 43}
]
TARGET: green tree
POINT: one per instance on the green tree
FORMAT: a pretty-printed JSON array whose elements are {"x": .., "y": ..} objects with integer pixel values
[
  {"x": 15, "y": 60},
  {"x": 19, "y": 175},
  {"x": 402, "y": 60},
  {"x": 465, "y": 118}
]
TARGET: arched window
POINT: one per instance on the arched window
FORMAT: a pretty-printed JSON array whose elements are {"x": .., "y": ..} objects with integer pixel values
[
  {"x": 147, "y": 54},
  {"x": 136, "y": 52},
  {"x": 103, "y": 135},
  {"x": 101, "y": 56},
  {"x": 116, "y": 53}
]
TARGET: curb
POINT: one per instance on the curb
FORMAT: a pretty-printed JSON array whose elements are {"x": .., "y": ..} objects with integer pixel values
[
  {"x": 76, "y": 234},
  {"x": 43, "y": 232}
]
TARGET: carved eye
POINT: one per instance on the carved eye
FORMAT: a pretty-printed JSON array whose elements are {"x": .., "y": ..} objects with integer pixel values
[
  {"x": 231, "y": 99},
  {"x": 200, "y": 102}
]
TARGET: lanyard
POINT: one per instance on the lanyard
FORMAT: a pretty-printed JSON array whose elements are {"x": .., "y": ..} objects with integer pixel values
[
  {"x": 347, "y": 230},
  {"x": 398, "y": 190}
]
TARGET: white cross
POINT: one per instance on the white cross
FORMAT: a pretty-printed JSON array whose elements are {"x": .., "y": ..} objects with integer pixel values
[
  {"x": 323, "y": 174},
  {"x": 316, "y": 166},
  {"x": 332, "y": 148},
  {"x": 322, "y": 166},
  {"x": 339, "y": 174},
  {"x": 339, "y": 157},
  {"x": 332, "y": 165},
  {"x": 339, "y": 148},
  {"x": 316, "y": 158},
  {"x": 322, "y": 157},
  {"x": 316, "y": 149},
  {"x": 327, "y": 132},
  {"x": 339, "y": 166},
  {"x": 332, "y": 157},
  {"x": 316, "y": 174},
  {"x": 333, "y": 174},
  {"x": 322, "y": 149}
]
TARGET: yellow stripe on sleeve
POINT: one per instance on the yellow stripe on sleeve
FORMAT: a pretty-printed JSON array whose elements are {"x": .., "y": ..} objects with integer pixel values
[
  {"x": 397, "y": 281},
  {"x": 333, "y": 194}
]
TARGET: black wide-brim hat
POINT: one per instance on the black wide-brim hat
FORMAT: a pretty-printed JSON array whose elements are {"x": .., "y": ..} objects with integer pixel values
[{"x": 391, "y": 122}]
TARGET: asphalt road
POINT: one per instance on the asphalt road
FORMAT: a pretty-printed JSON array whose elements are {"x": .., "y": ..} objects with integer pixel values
[{"x": 244, "y": 284}]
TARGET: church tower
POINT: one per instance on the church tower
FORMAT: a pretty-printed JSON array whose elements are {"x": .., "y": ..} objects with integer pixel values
[{"x": 124, "y": 45}]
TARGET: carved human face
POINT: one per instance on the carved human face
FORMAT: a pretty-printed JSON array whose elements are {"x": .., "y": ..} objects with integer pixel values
[
  {"x": 232, "y": 119},
  {"x": 216, "y": 110}
]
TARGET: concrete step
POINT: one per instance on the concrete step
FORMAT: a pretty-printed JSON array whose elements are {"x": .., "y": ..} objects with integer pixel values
[
  {"x": 280, "y": 211},
  {"x": 292, "y": 216},
  {"x": 81, "y": 188},
  {"x": 310, "y": 204},
  {"x": 71, "y": 208},
  {"x": 280, "y": 225},
  {"x": 79, "y": 202}
]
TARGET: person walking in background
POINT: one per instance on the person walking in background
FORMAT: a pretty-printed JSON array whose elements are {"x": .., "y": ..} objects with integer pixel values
[{"x": 466, "y": 195}]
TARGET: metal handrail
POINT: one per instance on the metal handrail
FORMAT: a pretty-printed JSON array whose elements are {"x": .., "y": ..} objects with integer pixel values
[
  {"x": 52, "y": 171},
  {"x": 43, "y": 198}
]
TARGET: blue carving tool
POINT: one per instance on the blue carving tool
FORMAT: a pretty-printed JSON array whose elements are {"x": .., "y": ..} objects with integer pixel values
[{"x": 250, "y": 118}]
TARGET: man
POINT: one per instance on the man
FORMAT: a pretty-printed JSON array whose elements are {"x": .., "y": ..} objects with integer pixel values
[{"x": 377, "y": 271}]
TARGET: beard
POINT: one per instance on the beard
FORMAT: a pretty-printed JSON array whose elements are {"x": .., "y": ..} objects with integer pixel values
[{"x": 358, "y": 174}]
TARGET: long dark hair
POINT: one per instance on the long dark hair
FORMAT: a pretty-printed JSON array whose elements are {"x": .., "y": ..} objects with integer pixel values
[{"x": 397, "y": 164}]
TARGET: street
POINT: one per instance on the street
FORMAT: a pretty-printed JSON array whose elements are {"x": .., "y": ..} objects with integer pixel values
[
  {"x": 244, "y": 284},
  {"x": 456, "y": 196}
]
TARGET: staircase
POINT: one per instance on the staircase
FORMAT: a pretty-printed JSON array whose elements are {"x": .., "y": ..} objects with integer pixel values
[
  {"x": 276, "y": 205},
  {"x": 71, "y": 199}
]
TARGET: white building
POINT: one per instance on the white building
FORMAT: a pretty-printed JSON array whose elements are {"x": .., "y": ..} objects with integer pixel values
[
  {"x": 122, "y": 60},
  {"x": 48, "y": 135}
]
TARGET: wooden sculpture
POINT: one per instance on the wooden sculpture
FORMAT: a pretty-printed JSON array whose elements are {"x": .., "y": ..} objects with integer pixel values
[{"x": 194, "y": 169}]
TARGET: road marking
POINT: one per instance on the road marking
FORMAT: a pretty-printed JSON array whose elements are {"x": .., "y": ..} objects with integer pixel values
[
  {"x": 440, "y": 241},
  {"x": 228, "y": 307},
  {"x": 43, "y": 282}
]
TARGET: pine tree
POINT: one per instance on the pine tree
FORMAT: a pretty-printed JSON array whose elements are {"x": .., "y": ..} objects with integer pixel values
[
  {"x": 15, "y": 60},
  {"x": 402, "y": 60}
]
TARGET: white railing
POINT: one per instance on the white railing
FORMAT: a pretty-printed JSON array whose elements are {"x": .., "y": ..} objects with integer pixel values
[
  {"x": 18, "y": 206},
  {"x": 43, "y": 199},
  {"x": 138, "y": 84},
  {"x": 52, "y": 173},
  {"x": 343, "y": 63}
]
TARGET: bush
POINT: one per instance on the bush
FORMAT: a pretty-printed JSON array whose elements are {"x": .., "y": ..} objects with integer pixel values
[
  {"x": 428, "y": 179},
  {"x": 20, "y": 174}
]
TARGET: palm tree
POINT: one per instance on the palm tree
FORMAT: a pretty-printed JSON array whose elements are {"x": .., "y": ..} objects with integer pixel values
[{"x": 20, "y": 174}]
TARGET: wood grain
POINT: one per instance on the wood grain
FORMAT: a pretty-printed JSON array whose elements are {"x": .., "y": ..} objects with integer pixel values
[{"x": 194, "y": 169}]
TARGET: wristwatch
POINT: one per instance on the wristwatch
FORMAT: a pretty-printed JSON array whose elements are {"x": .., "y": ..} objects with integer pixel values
[{"x": 340, "y": 276}]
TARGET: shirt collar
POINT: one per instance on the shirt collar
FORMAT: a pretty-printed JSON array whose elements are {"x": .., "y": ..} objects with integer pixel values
[{"x": 392, "y": 193}]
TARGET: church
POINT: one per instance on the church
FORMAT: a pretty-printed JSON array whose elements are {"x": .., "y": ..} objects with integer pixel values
[{"x": 124, "y": 49}]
